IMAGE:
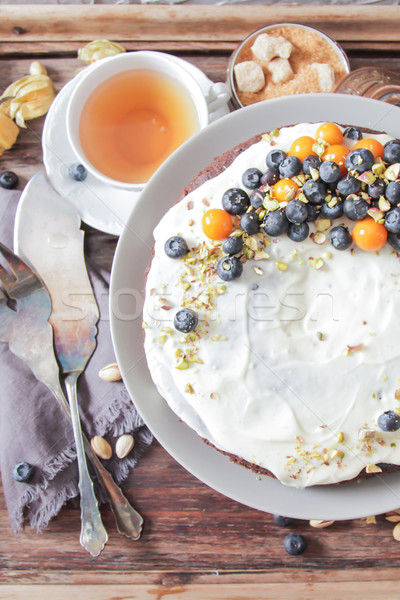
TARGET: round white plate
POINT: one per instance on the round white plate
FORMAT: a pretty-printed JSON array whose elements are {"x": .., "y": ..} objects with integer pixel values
[
  {"x": 101, "y": 206},
  {"x": 353, "y": 500}
]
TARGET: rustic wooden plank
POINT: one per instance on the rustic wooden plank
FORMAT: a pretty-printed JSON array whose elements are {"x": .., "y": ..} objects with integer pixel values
[
  {"x": 266, "y": 591},
  {"x": 69, "y": 49},
  {"x": 193, "y": 23}
]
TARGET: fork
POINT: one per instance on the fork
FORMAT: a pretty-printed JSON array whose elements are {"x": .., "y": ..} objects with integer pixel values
[{"x": 30, "y": 337}]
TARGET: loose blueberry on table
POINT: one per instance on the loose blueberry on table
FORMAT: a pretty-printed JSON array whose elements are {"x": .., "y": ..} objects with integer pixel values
[
  {"x": 8, "y": 180},
  {"x": 283, "y": 521},
  {"x": 295, "y": 544}
]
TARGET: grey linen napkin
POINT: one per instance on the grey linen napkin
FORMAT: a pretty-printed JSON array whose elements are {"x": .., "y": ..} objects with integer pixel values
[{"x": 34, "y": 429}]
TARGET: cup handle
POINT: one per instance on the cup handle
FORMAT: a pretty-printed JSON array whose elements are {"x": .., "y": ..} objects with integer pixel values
[{"x": 217, "y": 96}]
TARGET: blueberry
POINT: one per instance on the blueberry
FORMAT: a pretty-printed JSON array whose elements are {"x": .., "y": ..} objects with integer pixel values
[
  {"x": 391, "y": 152},
  {"x": 393, "y": 192},
  {"x": 274, "y": 158},
  {"x": 251, "y": 178},
  {"x": 394, "y": 241},
  {"x": 294, "y": 544},
  {"x": 232, "y": 245},
  {"x": 77, "y": 172},
  {"x": 22, "y": 472},
  {"x": 348, "y": 185},
  {"x": 257, "y": 198},
  {"x": 340, "y": 237},
  {"x": 313, "y": 212},
  {"x": 296, "y": 211},
  {"x": 311, "y": 161},
  {"x": 175, "y": 247},
  {"x": 235, "y": 201},
  {"x": 389, "y": 421},
  {"x": 298, "y": 232},
  {"x": 329, "y": 172},
  {"x": 332, "y": 212},
  {"x": 315, "y": 191},
  {"x": 275, "y": 223},
  {"x": 229, "y": 268},
  {"x": 355, "y": 208},
  {"x": 186, "y": 320},
  {"x": 392, "y": 220},
  {"x": 250, "y": 223},
  {"x": 353, "y": 133},
  {"x": 377, "y": 189},
  {"x": 360, "y": 160},
  {"x": 8, "y": 180},
  {"x": 282, "y": 521},
  {"x": 290, "y": 166},
  {"x": 270, "y": 176}
]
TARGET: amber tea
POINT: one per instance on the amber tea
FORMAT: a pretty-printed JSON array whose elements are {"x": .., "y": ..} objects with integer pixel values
[{"x": 133, "y": 121}]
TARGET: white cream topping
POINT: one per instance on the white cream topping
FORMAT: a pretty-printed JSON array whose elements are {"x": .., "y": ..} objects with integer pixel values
[{"x": 292, "y": 363}]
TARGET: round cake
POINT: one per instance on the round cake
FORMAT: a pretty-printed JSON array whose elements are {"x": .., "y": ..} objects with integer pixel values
[{"x": 272, "y": 303}]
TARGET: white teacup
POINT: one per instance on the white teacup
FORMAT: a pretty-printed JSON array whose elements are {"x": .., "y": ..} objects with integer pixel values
[{"x": 146, "y": 61}]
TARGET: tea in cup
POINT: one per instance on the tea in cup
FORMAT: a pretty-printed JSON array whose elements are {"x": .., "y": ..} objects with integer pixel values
[{"x": 128, "y": 113}]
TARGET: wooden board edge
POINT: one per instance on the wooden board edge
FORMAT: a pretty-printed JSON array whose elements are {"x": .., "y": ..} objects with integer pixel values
[{"x": 190, "y": 23}]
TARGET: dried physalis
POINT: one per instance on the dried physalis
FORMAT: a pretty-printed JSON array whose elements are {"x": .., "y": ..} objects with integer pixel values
[
  {"x": 99, "y": 49},
  {"x": 29, "y": 97}
]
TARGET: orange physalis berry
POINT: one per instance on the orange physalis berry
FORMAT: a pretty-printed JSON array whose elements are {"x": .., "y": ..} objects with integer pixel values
[
  {"x": 337, "y": 153},
  {"x": 302, "y": 147},
  {"x": 373, "y": 145},
  {"x": 285, "y": 190},
  {"x": 217, "y": 224},
  {"x": 329, "y": 133},
  {"x": 369, "y": 235}
]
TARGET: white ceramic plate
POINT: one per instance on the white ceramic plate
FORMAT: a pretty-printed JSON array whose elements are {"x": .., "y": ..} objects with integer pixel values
[
  {"x": 101, "y": 206},
  {"x": 353, "y": 500}
]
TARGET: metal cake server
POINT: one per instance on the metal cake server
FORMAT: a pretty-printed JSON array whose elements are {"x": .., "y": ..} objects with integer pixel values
[{"x": 48, "y": 237}]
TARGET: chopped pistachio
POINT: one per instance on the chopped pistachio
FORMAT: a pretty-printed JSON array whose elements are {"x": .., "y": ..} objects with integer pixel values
[
  {"x": 282, "y": 266},
  {"x": 365, "y": 434},
  {"x": 182, "y": 364},
  {"x": 314, "y": 173},
  {"x": 316, "y": 263},
  {"x": 270, "y": 204},
  {"x": 261, "y": 255},
  {"x": 392, "y": 172},
  {"x": 375, "y": 213},
  {"x": 373, "y": 469},
  {"x": 189, "y": 389},
  {"x": 340, "y": 437},
  {"x": 319, "y": 148},
  {"x": 323, "y": 224},
  {"x": 384, "y": 205},
  {"x": 321, "y": 336},
  {"x": 161, "y": 339},
  {"x": 266, "y": 137},
  {"x": 378, "y": 169},
  {"x": 258, "y": 270},
  {"x": 318, "y": 237}
]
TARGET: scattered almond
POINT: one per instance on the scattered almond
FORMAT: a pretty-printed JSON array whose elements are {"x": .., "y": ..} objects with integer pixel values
[
  {"x": 320, "y": 524},
  {"x": 101, "y": 447},
  {"x": 110, "y": 372},
  {"x": 396, "y": 532},
  {"x": 124, "y": 445}
]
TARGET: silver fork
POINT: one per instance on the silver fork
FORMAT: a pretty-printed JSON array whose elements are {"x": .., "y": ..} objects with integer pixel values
[{"x": 30, "y": 337}]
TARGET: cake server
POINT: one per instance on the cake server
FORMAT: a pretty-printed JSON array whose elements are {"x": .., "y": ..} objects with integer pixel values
[{"x": 48, "y": 238}]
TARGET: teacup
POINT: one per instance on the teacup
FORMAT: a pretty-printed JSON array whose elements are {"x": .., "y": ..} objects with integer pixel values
[{"x": 128, "y": 113}]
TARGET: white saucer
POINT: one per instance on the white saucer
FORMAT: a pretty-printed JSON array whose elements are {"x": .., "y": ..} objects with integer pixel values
[{"x": 99, "y": 205}]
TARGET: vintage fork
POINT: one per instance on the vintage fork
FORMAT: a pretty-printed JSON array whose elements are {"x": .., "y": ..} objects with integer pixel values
[{"x": 30, "y": 337}]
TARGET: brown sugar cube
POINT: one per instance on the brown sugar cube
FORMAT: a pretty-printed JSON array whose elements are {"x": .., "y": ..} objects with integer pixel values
[{"x": 249, "y": 76}]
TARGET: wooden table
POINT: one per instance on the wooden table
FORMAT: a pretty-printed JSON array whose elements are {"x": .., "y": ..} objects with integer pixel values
[{"x": 196, "y": 544}]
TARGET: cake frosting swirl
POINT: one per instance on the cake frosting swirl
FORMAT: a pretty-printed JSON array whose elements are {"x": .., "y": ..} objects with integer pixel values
[{"x": 291, "y": 364}]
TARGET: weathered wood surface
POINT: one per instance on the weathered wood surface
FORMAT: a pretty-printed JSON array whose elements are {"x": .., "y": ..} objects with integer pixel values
[{"x": 196, "y": 544}]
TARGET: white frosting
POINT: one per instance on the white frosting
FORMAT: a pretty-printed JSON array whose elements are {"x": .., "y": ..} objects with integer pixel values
[{"x": 277, "y": 384}]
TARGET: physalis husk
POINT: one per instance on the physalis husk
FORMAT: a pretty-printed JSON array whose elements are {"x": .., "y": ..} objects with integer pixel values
[
  {"x": 99, "y": 49},
  {"x": 29, "y": 98},
  {"x": 8, "y": 131}
]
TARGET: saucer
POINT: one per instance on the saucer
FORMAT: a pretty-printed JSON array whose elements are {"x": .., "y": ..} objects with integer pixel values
[{"x": 101, "y": 206}]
